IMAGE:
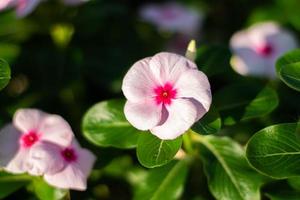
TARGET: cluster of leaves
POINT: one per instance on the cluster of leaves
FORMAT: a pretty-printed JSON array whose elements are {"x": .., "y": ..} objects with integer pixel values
[{"x": 273, "y": 153}]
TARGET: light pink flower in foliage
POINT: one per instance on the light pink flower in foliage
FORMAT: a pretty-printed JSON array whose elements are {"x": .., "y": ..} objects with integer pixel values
[
  {"x": 30, "y": 127},
  {"x": 166, "y": 94},
  {"x": 172, "y": 17},
  {"x": 65, "y": 167},
  {"x": 256, "y": 49},
  {"x": 23, "y": 7}
]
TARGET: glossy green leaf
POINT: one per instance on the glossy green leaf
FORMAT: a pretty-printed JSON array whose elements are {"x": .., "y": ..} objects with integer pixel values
[
  {"x": 288, "y": 69},
  {"x": 229, "y": 175},
  {"x": 165, "y": 182},
  {"x": 283, "y": 195},
  {"x": 105, "y": 125},
  {"x": 46, "y": 192},
  {"x": 294, "y": 183},
  {"x": 4, "y": 73},
  {"x": 154, "y": 152},
  {"x": 275, "y": 150},
  {"x": 10, "y": 183},
  {"x": 234, "y": 104},
  {"x": 209, "y": 124}
]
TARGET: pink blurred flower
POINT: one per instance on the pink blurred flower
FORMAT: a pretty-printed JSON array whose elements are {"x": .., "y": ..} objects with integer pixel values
[
  {"x": 172, "y": 17},
  {"x": 166, "y": 94},
  {"x": 64, "y": 167},
  {"x": 30, "y": 127},
  {"x": 23, "y": 7},
  {"x": 257, "y": 48}
]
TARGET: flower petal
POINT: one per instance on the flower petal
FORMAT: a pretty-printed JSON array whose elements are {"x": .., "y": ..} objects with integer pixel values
[
  {"x": 56, "y": 130},
  {"x": 74, "y": 175},
  {"x": 4, "y": 4},
  {"x": 27, "y": 120},
  {"x": 139, "y": 81},
  {"x": 143, "y": 115},
  {"x": 43, "y": 158},
  {"x": 25, "y": 7},
  {"x": 12, "y": 158},
  {"x": 167, "y": 67},
  {"x": 194, "y": 84},
  {"x": 182, "y": 115}
]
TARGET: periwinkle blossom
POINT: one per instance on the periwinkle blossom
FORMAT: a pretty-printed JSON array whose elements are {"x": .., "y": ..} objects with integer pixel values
[
  {"x": 64, "y": 167},
  {"x": 43, "y": 144},
  {"x": 256, "y": 49},
  {"x": 166, "y": 94},
  {"x": 172, "y": 17},
  {"x": 25, "y": 7},
  {"x": 29, "y": 128},
  {"x": 22, "y": 7}
]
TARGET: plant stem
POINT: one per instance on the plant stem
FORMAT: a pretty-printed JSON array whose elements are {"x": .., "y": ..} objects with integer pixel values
[{"x": 187, "y": 143}]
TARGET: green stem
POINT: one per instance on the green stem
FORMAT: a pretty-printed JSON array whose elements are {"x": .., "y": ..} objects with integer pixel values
[{"x": 187, "y": 143}]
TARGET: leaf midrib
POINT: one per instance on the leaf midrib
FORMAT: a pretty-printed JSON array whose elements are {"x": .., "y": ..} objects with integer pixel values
[
  {"x": 223, "y": 164},
  {"x": 168, "y": 179},
  {"x": 278, "y": 154}
]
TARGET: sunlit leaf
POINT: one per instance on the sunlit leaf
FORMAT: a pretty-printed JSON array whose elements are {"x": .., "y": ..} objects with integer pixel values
[
  {"x": 46, "y": 192},
  {"x": 154, "y": 152},
  {"x": 4, "y": 73},
  {"x": 245, "y": 101},
  {"x": 105, "y": 125},
  {"x": 10, "y": 183},
  {"x": 288, "y": 69},
  {"x": 165, "y": 182},
  {"x": 229, "y": 175},
  {"x": 275, "y": 150}
]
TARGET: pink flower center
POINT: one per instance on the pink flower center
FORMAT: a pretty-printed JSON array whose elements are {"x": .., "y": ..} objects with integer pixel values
[
  {"x": 165, "y": 94},
  {"x": 265, "y": 50},
  {"x": 69, "y": 155},
  {"x": 29, "y": 139}
]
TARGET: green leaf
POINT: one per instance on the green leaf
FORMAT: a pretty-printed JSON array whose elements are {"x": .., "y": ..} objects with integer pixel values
[
  {"x": 294, "y": 183},
  {"x": 275, "y": 150},
  {"x": 288, "y": 69},
  {"x": 213, "y": 59},
  {"x": 234, "y": 104},
  {"x": 283, "y": 195},
  {"x": 46, "y": 192},
  {"x": 229, "y": 175},
  {"x": 10, "y": 183},
  {"x": 154, "y": 152},
  {"x": 165, "y": 182},
  {"x": 4, "y": 73},
  {"x": 105, "y": 125},
  {"x": 209, "y": 124}
]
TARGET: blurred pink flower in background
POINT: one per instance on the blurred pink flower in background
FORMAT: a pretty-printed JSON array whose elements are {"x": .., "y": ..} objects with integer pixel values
[
  {"x": 30, "y": 127},
  {"x": 256, "y": 49},
  {"x": 166, "y": 94},
  {"x": 23, "y": 7},
  {"x": 172, "y": 17}
]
